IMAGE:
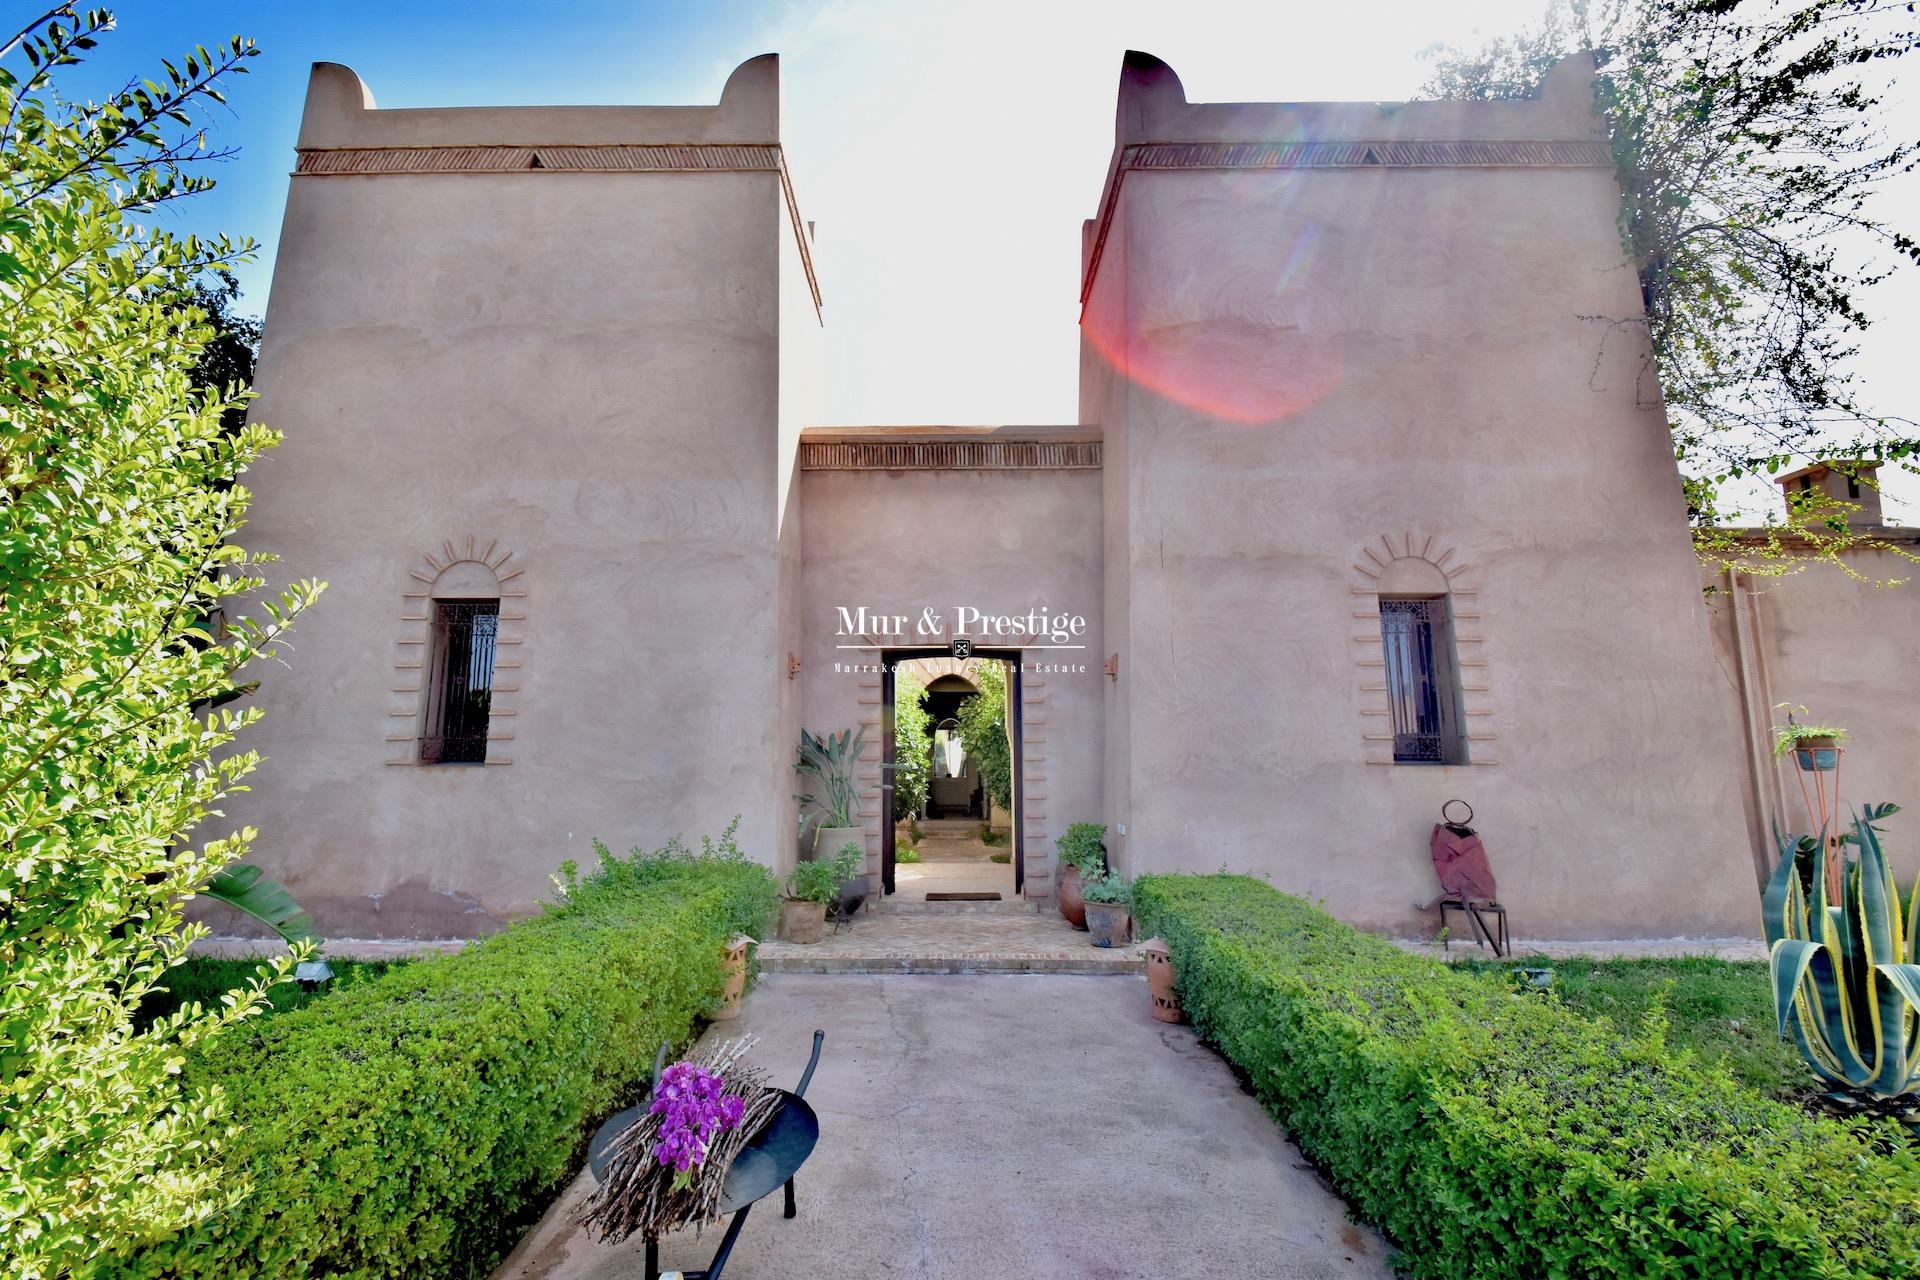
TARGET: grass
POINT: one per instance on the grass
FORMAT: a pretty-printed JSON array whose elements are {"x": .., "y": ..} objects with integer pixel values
[
  {"x": 1720, "y": 1009},
  {"x": 1002, "y": 858},
  {"x": 990, "y": 837},
  {"x": 206, "y": 979},
  {"x": 906, "y": 853}
]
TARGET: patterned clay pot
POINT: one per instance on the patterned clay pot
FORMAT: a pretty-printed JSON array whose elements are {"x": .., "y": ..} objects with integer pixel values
[
  {"x": 1109, "y": 922},
  {"x": 1072, "y": 905},
  {"x": 734, "y": 957},
  {"x": 1160, "y": 976},
  {"x": 802, "y": 921}
]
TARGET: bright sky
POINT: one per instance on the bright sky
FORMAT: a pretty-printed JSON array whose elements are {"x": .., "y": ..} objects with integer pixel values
[{"x": 948, "y": 150}]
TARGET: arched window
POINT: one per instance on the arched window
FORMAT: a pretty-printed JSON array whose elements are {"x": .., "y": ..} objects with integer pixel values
[
  {"x": 1422, "y": 664},
  {"x": 457, "y": 684}
]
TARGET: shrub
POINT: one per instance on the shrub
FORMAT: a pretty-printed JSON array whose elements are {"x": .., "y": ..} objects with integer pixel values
[
  {"x": 120, "y": 507},
  {"x": 1084, "y": 846},
  {"x": 413, "y": 1124},
  {"x": 1492, "y": 1135},
  {"x": 205, "y": 979},
  {"x": 819, "y": 881}
]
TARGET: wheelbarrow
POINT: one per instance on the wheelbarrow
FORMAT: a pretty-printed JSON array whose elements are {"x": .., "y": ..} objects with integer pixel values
[{"x": 768, "y": 1161}]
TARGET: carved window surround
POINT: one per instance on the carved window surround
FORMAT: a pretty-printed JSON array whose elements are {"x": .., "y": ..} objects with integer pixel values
[
  {"x": 488, "y": 571},
  {"x": 1415, "y": 565}
]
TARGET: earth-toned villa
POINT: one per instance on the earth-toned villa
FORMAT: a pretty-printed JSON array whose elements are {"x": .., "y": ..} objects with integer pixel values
[{"x": 1370, "y": 505}]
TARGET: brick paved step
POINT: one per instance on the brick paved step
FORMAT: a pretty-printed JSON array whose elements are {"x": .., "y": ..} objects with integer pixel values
[
  {"x": 786, "y": 957},
  {"x": 913, "y": 906},
  {"x": 891, "y": 941}
]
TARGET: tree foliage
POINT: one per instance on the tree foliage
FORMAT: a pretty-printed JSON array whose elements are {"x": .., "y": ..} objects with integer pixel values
[
  {"x": 1750, "y": 161},
  {"x": 118, "y": 509},
  {"x": 983, "y": 727},
  {"x": 912, "y": 745}
]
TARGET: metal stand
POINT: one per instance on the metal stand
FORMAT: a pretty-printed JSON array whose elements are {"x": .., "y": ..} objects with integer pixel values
[
  {"x": 1496, "y": 938},
  {"x": 713, "y": 1269},
  {"x": 1823, "y": 803}
]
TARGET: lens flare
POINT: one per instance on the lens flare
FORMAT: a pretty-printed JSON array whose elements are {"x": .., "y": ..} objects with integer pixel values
[{"x": 1251, "y": 331}]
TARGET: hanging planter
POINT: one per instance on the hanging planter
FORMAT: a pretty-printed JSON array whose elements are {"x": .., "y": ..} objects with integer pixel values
[
  {"x": 1818, "y": 754},
  {"x": 1815, "y": 747}
]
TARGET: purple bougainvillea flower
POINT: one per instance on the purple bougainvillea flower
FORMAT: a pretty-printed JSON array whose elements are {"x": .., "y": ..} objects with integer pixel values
[{"x": 694, "y": 1106}]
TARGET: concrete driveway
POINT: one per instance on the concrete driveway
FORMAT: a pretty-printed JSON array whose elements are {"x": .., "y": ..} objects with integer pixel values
[{"x": 1017, "y": 1126}]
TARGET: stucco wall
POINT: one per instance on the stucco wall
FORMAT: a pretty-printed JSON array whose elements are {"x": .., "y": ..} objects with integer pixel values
[
  {"x": 1843, "y": 648},
  {"x": 1002, "y": 541},
  {"x": 1334, "y": 361},
  {"x": 581, "y": 368}
]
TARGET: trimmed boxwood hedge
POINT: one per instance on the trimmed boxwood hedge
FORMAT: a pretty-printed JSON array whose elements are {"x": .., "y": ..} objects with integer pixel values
[
  {"x": 412, "y": 1125},
  {"x": 1492, "y": 1134}
]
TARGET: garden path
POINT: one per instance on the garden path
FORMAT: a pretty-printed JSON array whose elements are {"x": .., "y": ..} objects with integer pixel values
[{"x": 1030, "y": 1126}]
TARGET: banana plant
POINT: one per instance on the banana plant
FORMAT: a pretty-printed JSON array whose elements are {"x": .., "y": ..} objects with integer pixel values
[
  {"x": 1846, "y": 975},
  {"x": 247, "y": 888}
]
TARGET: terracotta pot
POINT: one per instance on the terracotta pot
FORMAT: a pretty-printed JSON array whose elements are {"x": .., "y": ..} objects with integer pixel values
[
  {"x": 802, "y": 921},
  {"x": 734, "y": 956},
  {"x": 1817, "y": 755},
  {"x": 1109, "y": 922},
  {"x": 1072, "y": 905},
  {"x": 1160, "y": 981}
]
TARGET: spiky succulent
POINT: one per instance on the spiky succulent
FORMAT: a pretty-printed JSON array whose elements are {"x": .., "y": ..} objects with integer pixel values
[{"x": 1846, "y": 984}]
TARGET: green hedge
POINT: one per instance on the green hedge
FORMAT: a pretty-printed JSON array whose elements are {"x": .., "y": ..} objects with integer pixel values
[
  {"x": 413, "y": 1124},
  {"x": 1490, "y": 1134}
]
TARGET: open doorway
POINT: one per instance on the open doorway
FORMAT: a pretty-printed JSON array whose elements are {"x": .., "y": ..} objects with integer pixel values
[{"x": 951, "y": 758}]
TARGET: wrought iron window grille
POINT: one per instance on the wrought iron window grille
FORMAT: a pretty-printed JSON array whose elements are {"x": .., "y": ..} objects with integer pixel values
[
  {"x": 1423, "y": 685},
  {"x": 460, "y": 682}
]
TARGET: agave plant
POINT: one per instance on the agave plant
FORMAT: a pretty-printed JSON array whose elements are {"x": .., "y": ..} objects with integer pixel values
[
  {"x": 1845, "y": 978},
  {"x": 830, "y": 759}
]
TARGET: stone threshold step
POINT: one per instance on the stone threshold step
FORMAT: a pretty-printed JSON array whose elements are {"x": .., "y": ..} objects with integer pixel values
[
  {"x": 796, "y": 961},
  {"x": 915, "y": 907}
]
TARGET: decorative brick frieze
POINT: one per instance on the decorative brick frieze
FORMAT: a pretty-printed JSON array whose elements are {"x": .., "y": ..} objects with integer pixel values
[
  {"x": 335, "y": 162},
  {"x": 951, "y": 455}
]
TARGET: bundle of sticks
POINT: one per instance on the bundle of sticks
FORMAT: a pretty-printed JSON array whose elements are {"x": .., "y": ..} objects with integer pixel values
[{"x": 639, "y": 1192}]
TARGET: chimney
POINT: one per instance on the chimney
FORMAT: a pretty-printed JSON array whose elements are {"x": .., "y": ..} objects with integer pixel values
[{"x": 1841, "y": 479}]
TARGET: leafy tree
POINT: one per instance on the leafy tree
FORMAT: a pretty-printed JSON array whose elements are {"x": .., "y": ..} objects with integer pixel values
[
  {"x": 983, "y": 727},
  {"x": 118, "y": 508},
  {"x": 227, "y": 360},
  {"x": 912, "y": 746},
  {"x": 1745, "y": 139}
]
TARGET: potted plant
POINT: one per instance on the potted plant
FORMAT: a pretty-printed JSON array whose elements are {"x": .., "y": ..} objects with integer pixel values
[
  {"x": 1109, "y": 905},
  {"x": 811, "y": 889},
  {"x": 1083, "y": 855},
  {"x": 1815, "y": 747},
  {"x": 849, "y": 866},
  {"x": 829, "y": 759}
]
